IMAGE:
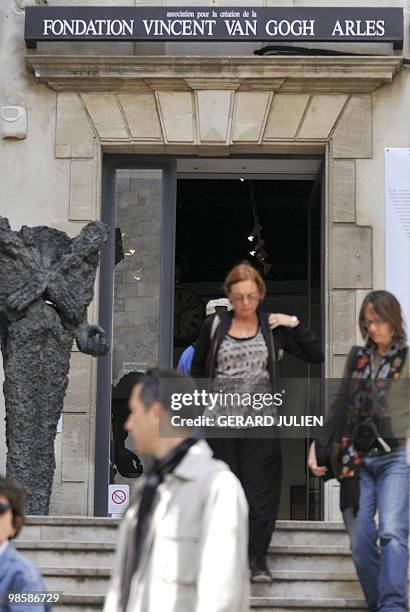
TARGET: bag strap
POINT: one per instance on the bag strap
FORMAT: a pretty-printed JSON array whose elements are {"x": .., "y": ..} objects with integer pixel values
[
  {"x": 215, "y": 324},
  {"x": 212, "y": 342}
]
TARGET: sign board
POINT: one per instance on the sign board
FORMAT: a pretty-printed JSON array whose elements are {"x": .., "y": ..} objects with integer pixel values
[
  {"x": 159, "y": 23},
  {"x": 397, "y": 214},
  {"x": 118, "y": 499}
]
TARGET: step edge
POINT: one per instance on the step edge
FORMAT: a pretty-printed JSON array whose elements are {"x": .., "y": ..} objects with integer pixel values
[
  {"x": 60, "y": 544},
  {"x": 73, "y": 571},
  {"x": 312, "y": 601}
]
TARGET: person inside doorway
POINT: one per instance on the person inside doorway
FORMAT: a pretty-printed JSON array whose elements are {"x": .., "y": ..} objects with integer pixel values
[
  {"x": 124, "y": 461},
  {"x": 213, "y": 306},
  {"x": 366, "y": 435},
  {"x": 183, "y": 543},
  {"x": 241, "y": 347}
]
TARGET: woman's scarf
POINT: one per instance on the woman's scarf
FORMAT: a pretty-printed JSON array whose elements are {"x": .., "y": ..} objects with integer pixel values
[{"x": 368, "y": 396}]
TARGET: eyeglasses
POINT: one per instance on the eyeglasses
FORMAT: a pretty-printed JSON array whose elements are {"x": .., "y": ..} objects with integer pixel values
[
  {"x": 4, "y": 508},
  {"x": 375, "y": 322},
  {"x": 251, "y": 297}
]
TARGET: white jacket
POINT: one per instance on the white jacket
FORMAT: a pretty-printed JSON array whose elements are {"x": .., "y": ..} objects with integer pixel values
[{"x": 195, "y": 555}]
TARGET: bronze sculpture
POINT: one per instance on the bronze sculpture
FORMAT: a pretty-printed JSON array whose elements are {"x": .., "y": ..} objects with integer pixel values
[{"x": 46, "y": 285}]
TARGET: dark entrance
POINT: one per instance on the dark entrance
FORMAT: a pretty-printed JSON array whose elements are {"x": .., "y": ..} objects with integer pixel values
[
  {"x": 190, "y": 219},
  {"x": 214, "y": 217}
]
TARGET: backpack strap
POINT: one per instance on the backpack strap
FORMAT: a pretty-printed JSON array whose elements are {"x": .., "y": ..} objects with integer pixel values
[{"x": 215, "y": 324}]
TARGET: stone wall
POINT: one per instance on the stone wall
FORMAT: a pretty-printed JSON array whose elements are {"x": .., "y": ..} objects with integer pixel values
[{"x": 137, "y": 276}]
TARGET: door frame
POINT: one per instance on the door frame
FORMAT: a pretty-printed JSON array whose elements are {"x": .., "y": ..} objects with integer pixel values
[
  {"x": 168, "y": 164},
  {"x": 318, "y": 191},
  {"x": 112, "y": 163}
]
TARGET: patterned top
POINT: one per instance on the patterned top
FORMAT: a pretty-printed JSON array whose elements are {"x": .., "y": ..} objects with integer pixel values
[{"x": 245, "y": 358}]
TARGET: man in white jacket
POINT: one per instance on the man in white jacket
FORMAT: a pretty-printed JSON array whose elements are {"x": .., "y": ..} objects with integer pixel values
[{"x": 183, "y": 544}]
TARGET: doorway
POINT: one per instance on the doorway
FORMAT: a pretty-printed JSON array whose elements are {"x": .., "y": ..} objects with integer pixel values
[
  {"x": 216, "y": 206},
  {"x": 177, "y": 226}
]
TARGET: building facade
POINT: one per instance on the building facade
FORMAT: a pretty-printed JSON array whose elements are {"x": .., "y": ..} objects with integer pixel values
[{"x": 111, "y": 128}]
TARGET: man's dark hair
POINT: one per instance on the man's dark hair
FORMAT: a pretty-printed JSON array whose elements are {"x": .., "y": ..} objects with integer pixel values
[
  {"x": 15, "y": 495},
  {"x": 159, "y": 385}
]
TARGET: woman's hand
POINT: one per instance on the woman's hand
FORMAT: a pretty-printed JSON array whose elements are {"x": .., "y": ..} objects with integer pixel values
[
  {"x": 312, "y": 462},
  {"x": 277, "y": 319}
]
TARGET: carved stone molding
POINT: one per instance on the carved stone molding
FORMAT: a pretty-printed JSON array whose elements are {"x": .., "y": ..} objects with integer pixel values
[{"x": 344, "y": 74}]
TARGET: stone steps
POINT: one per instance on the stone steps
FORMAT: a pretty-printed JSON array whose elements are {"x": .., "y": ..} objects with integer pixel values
[
  {"x": 318, "y": 558},
  {"x": 94, "y": 603},
  {"x": 310, "y": 562},
  {"x": 294, "y": 584},
  {"x": 101, "y": 554},
  {"x": 312, "y": 604},
  {"x": 105, "y": 529},
  {"x": 70, "y": 529},
  {"x": 78, "y": 580},
  {"x": 85, "y": 580},
  {"x": 68, "y": 554}
]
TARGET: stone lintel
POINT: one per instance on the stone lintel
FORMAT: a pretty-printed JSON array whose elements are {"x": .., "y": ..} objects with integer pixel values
[
  {"x": 215, "y": 150},
  {"x": 344, "y": 74}
]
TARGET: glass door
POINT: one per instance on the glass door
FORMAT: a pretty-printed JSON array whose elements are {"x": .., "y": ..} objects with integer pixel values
[{"x": 136, "y": 303}]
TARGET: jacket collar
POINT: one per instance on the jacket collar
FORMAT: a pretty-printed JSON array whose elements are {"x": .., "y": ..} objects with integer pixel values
[{"x": 190, "y": 466}]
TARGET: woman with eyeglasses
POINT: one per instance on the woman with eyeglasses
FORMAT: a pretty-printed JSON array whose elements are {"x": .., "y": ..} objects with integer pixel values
[
  {"x": 367, "y": 431},
  {"x": 245, "y": 344},
  {"x": 18, "y": 576}
]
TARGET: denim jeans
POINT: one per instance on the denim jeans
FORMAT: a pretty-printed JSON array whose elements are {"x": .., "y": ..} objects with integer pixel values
[{"x": 380, "y": 553}]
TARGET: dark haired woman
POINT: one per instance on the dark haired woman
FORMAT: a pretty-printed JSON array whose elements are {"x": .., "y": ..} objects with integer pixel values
[
  {"x": 369, "y": 436},
  {"x": 17, "y": 574},
  {"x": 246, "y": 344}
]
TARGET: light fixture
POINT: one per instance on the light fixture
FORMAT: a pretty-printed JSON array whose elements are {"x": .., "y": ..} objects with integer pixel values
[
  {"x": 261, "y": 255},
  {"x": 258, "y": 248},
  {"x": 256, "y": 230},
  {"x": 242, "y": 179},
  {"x": 266, "y": 268}
]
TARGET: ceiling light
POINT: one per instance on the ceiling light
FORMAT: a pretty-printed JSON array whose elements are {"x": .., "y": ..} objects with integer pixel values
[
  {"x": 256, "y": 230},
  {"x": 261, "y": 255},
  {"x": 266, "y": 268}
]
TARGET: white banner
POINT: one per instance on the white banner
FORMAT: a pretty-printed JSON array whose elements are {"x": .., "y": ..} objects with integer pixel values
[{"x": 397, "y": 223}]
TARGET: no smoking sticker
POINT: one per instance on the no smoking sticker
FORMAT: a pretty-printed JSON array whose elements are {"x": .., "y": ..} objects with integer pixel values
[
  {"x": 118, "y": 496},
  {"x": 118, "y": 499}
]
